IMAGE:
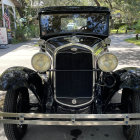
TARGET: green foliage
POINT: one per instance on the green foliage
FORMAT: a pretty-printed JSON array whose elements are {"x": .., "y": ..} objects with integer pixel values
[
  {"x": 67, "y": 2},
  {"x": 32, "y": 31},
  {"x": 137, "y": 26},
  {"x": 20, "y": 34},
  {"x": 123, "y": 27},
  {"x": 24, "y": 33},
  {"x": 129, "y": 11},
  {"x": 126, "y": 27},
  {"x": 133, "y": 40},
  {"x": 119, "y": 25},
  {"x": 120, "y": 31}
]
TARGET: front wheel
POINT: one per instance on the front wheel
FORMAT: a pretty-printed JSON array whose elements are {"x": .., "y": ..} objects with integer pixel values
[
  {"x": 16, "y": 101},
  {"x": 131, "y": 104}
]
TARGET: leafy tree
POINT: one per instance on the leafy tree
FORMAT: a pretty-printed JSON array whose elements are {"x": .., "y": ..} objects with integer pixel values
[{"x": 129, "y": 10}]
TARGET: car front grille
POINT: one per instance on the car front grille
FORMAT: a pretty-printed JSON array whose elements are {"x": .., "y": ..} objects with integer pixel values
[{"x": 74, "y": 76}]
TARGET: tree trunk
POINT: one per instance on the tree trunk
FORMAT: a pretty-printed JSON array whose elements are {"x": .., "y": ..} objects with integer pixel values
[
  {"x": 137, "y": 36},
  {"x": 111, "y": 7},
  {"x": 20, "y": 11},
  {"x": 97, "y": 3},
  {"x": 126, "y": 31},
  {"x": 20, "y": 6}
]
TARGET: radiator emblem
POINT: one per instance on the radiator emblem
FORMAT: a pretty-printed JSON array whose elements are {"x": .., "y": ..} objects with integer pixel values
[
  {"x": 74, "y": 101},
  {"x": 74, "y": 49}
]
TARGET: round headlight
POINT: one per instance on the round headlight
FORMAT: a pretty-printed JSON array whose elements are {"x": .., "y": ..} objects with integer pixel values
[
  {"x": 107, "y": 62},
  {"x": 41, "y": 62}
]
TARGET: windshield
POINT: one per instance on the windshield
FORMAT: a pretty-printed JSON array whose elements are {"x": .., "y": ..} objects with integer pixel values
[{"x": 94, "y": 23}]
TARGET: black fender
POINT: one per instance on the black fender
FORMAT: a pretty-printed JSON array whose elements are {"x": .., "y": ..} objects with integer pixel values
[
  {"x": 128, "y": 77},
  {"x": 18, "y": 77}
]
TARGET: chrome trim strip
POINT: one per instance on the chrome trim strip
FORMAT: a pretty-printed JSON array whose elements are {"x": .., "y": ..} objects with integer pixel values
[
  {"x": 74, "y": 119},
  {"x": 54, "y": 66}
]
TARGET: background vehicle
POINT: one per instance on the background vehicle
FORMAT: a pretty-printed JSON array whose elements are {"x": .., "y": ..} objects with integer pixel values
[
  {"x": 74, "y": 78},
  {"x": 70, "y": 26}
]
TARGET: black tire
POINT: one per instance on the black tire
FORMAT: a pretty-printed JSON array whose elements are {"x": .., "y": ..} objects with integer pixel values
[
  {"x": 131, "y": 104},
  {"x": 16, "y": 102}
]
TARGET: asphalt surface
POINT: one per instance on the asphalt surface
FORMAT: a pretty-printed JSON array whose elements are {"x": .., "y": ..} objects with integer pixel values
[
  {"x": 20, "y": 55},
  {"x": 128, "y": 54}
]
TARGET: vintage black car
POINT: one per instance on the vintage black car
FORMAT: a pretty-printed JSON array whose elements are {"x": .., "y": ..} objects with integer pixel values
[{"x": 74, "y": 78}]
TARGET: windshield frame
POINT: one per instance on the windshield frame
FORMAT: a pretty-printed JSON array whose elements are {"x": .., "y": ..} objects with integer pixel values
[{"x": 74, "y": 33}]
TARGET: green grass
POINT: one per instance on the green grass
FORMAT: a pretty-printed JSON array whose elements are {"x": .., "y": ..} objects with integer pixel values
[
  {"x": 36, "y": 45},
  {"x": 133, "y": 40},
  {"x": 113, "y": 31},
  {"x": 120, "y": 31}
]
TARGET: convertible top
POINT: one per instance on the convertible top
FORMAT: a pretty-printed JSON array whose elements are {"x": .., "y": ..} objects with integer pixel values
[{"x": 78, "y": 9}]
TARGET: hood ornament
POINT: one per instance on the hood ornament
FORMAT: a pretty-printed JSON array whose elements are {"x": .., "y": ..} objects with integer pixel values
[{"x": 74, "y": 40}]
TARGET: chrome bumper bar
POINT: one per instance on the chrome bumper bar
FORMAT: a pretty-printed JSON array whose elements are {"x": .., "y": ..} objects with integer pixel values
[{"x": 70, "y": 119}]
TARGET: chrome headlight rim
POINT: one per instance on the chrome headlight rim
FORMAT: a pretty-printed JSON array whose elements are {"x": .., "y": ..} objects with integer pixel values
[
  {"x": 106, "y": 53},
  {"x": 50, "y": 60}
]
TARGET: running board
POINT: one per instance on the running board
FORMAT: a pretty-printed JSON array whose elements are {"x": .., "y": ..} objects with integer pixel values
[{"x": 70, "y": 119}]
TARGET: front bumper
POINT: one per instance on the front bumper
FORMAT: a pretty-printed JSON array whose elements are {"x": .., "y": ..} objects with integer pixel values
[{"x": 70, "y": 119}]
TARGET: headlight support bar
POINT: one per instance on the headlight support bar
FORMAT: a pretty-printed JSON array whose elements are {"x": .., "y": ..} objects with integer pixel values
[{"x": 72, "y": 70}]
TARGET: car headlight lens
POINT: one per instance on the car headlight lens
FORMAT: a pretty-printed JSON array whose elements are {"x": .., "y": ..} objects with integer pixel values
[
  {"x": 41, "y": 62},
  {"x": 107, "y": 62}
]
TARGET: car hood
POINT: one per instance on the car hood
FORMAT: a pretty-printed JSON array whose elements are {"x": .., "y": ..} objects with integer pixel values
[{"x": 63, "y": 40}]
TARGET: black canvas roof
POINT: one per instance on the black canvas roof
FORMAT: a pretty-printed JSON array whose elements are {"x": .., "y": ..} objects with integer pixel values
[{"x": 78, "y": 9}]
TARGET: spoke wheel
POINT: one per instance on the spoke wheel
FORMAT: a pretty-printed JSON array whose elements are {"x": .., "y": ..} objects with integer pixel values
[
  {"x": 131, "y": 104},
  {"x": 16, "y": 102}
]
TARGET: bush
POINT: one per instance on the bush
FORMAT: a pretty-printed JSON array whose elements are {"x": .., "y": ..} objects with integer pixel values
[
  {"x": 24, "y": 33},
  {"x": 118, "y": 25},
  {"x": 123, "y": 27},
  {"x": 20, "y": 34},
  {"x": 34, "y": 31}
]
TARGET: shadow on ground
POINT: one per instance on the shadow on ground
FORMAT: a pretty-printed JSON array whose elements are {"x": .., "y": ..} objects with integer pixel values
[{"x": 74, "y": 133}]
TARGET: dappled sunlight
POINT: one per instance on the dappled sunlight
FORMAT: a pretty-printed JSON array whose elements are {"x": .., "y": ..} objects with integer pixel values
[{"x": 127, "y": 53}]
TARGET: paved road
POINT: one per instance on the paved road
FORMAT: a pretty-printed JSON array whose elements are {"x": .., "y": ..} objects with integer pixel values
[
  {"x": 17, "y": 55},
  {"x": 128, "y": 55}
]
